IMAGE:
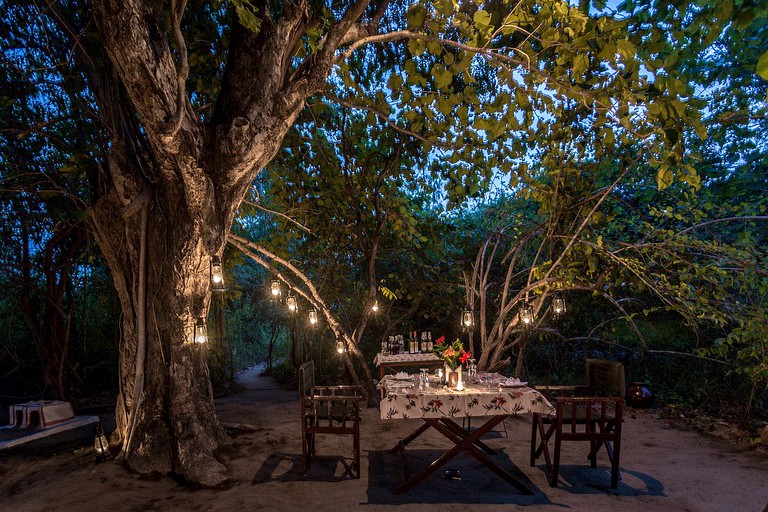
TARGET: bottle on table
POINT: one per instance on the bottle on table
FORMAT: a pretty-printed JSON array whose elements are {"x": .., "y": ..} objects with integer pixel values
[
  {"x": 423, "y": 342},
  {"x": 430, "y": 346}
]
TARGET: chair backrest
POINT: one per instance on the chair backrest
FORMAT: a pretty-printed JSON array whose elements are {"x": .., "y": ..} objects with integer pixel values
[
  {"x": 306, "y": 377},
  {"x": 605, "y": 378}
]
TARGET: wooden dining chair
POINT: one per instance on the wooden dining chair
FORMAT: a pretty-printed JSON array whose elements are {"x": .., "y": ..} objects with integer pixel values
[
  {"x": 328, "y": 410},
  {"x": 591, "y": 412}
]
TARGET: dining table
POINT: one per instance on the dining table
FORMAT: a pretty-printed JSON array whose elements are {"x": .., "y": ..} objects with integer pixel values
[{"x": 490, "y": 397}]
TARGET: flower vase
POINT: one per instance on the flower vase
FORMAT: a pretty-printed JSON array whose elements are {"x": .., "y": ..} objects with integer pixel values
[{"x": 454, "y": 376}]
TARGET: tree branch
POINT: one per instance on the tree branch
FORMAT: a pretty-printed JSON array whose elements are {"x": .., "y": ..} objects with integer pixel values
[
  {"x": 279, "y": 214},
  {"x": 172, "y": 128},
  {"x": 724, "y": 219}
]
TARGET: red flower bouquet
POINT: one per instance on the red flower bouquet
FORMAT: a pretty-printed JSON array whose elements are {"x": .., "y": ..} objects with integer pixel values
[{"x": 453, "y": 355}]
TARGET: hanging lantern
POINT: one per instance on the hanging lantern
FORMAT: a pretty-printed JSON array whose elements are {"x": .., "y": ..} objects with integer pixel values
[
  {"x": 467, "y": 319},
  {"x": 275, "y": 288},
  {"x": 526, "y": 314},
  {"x": 558, "y": 305},
  {"x": 375, "y": 306},
  {"x": 100, "y": 445},
  {"x": 217, "y": 275},
  {"x": 201, "y": 332},
  {"x": 340, "y": 347},
  {"x": 290, "y": 301},
  {"x": 313, "y": 316}
]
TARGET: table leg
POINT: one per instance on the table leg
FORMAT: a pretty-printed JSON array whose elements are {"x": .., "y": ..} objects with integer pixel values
[
  {"x": 381, "y": 378},
  {"x": 462, "y": 432},
  {"x": 462, "y": 443},
  {"x": 480, "y": 456},
  {"x": 410, "y": 437},
  {"x": 543, "y": 447}
]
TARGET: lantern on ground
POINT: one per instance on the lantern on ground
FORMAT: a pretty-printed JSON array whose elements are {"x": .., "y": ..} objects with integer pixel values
[
  {"x": 313, "y": 317},
  {"x": 467, "y": 319},
  {"x": 100, "y": 445},
  {"x": 217, "y": 275},
  {"x": 558, "y": 306},
  {"x": 375, "y": 306},
  {"x": 290, "y": 301},
  {"x": 275, "y": 288},
  {"x": 340, "y": 347},
  {"x": 201, "y": 331},
  {"x": 526, "y": 314}
]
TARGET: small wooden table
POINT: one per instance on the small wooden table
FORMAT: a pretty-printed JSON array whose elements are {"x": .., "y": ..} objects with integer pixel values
[
  {"x": 440, "y": 407},
  {"x": 394, "y": 361}
]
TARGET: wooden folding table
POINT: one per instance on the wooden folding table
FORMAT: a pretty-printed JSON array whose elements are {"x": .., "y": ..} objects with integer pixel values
[{"x": 440, "y": 408}]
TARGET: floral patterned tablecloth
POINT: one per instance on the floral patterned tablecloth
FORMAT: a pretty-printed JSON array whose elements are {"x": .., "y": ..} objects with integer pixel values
[
  {"x": 414, "y": 359},
  {"x": 404, "y": 399}
]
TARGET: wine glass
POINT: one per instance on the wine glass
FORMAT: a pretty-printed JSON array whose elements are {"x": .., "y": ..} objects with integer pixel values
[
  {"x": 472, "y": 369},
  {"x": 424, "y": 378}
]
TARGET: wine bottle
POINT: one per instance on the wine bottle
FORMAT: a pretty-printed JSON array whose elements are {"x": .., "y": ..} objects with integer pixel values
[
  {"x": 423, "y": 342},
  {"x": 430, "y": 346}
]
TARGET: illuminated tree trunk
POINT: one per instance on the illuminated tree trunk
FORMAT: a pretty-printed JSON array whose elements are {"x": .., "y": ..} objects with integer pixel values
[{"x": 168, "y": 192}]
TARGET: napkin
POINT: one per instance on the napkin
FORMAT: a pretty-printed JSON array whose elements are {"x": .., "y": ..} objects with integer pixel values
[
  {"x": 401, "y": 375},
  {"x": 513, "y": 381}
]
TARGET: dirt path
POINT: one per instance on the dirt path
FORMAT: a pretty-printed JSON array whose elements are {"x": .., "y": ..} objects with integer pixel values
[{"x": 663, "y": 468}]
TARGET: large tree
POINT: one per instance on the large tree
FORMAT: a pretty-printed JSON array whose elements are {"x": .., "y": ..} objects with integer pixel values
[{"x": 193, "y": 103}]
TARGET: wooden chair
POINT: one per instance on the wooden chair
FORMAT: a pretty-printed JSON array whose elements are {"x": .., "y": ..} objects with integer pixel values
[
  {"x": 328, "y": 410},
  {"x": 596, "y": 418}
]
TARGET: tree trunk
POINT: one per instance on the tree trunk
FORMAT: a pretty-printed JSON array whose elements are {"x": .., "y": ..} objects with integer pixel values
[
  {"x": 175, "y": 429},
  {"x": 167, "y": 196}
]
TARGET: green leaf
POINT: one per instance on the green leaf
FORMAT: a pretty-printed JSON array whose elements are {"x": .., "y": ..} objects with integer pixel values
[
  {"x": 416, "y": 17},
  {"x": 246, "y": 13},
  {"x": 664, "y": 177},
  {"x": 762, "y": 66},
  {"x": 442, "y": 76},
  {"x": 482, "y": 18}
]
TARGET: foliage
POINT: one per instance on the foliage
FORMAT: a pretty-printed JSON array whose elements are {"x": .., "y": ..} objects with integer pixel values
[{"x": 453, "y": 354}]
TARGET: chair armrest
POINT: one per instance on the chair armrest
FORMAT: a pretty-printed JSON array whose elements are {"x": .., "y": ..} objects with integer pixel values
[
  {"x": 336, "y": 393},
  {"x": 565, "y": 390},
  {"x": 589, "y": 399},
  {"x": 556, "y": 388},
  {"x": 336, "y": 398}
]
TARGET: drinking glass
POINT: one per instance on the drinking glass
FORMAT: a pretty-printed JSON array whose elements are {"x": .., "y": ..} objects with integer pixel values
[
  {"x": 472, "y": 369},
  {"x": 424, "y": 378}
]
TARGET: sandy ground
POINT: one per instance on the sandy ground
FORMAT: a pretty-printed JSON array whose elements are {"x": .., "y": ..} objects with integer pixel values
[{"x": 663, "y": 468}]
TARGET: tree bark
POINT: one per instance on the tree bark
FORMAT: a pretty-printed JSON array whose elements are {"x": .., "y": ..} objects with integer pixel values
[{"x": 187, "y": 179}]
